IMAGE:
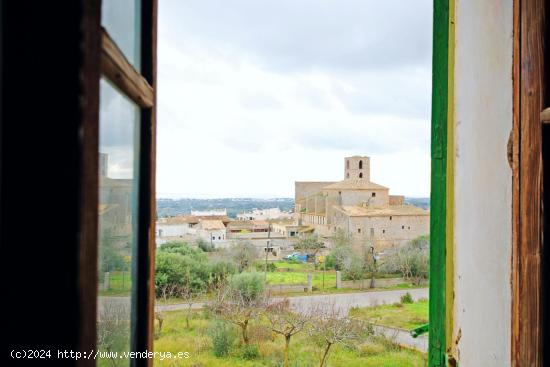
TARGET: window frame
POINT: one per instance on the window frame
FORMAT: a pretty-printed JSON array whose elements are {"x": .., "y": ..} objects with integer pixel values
[{"x": 102, "y": 57}]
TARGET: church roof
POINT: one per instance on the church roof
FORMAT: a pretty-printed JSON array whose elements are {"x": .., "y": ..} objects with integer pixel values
[
  {"x": 355, "y": 184},
  {"x": 391, "y": 210}
]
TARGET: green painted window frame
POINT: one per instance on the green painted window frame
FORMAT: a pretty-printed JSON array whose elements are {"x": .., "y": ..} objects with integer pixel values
[{"x": 438, "y": 196}]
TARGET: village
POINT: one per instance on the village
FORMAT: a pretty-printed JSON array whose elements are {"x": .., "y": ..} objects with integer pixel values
[{"x": 360, "y": 209}]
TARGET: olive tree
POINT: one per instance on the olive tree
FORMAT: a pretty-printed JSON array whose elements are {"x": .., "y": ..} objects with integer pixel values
[{"x": 240, "y": 301}]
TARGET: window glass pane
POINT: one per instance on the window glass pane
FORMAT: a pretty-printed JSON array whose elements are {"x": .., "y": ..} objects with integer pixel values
[
  {"x": 122, "y": 19},
  {"x": 118, "y": 199}
]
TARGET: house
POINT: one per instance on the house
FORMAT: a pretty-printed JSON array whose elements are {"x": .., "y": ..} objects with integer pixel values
[
  {"x": 212, "y": 231},
  {"x": 264, "y": 214}
]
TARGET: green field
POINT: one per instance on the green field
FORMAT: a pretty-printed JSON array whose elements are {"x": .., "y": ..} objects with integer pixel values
[
  {"x": 296, "y": 266},
  {"x": 120, "y": 283},
  {"x": 404, "y": 316},
  {"x": 174, "y": 338},
  {"x": 294, "y": 277}
]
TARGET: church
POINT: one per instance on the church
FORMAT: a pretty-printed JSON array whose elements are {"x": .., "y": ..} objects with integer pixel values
[{"x": 362, "y": 209}]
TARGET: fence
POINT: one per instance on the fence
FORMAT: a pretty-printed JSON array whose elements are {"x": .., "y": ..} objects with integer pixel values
[{"x": 116, "y": 281}]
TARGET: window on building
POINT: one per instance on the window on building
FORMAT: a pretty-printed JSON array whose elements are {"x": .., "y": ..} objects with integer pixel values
[
  {"x": 390, "y": 217},
  {"x": 347, "y": 164},
  {"x": 347, "y": 175},
  {"x": 383, "y": 231},
  {"x": 358, "y": 230},
  {"x": 360, "y": 174},
  {"x": 373, "y": 194},
  {"x": 360, "y": 164},
  {"x": 402, "y": 227}
]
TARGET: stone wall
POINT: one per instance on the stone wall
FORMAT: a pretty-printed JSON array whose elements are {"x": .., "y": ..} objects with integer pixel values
[
  {"x": 303, "y": 189},
  {"x": 397, "y": 200}
]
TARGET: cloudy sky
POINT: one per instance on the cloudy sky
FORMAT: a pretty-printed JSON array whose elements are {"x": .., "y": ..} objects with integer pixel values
[{"x": 256, "y": 94}]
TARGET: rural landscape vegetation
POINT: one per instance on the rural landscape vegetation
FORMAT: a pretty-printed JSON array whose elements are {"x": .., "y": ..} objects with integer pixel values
[{"x": 231, "y": 307}]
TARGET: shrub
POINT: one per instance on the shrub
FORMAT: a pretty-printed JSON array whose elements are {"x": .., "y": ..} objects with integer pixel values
[
  {"x": 340, "y": 257},
  {"x": 354, "y": 269},
  {"x": 250, "y": 351},
  {"x": 247, "y": 286},
  {"x": 205, "y": 246},
  {"x": 223, "y": 338},
  {"x": 411, "y": 261},
  {"x": 260, "y": 266},
  {"x": 407, "y": 298},
  {"x": 371, "y": 349},
  {"x": 220, "y": 270},
  {"x": 174, "y": 271}
]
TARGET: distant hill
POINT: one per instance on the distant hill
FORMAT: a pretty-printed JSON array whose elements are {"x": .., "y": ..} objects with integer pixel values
[
  {"x": 171, "y": 207},
  {"x": 423, "y": 203}
]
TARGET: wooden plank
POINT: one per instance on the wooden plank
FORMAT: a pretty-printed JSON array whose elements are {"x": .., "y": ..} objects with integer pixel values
[
  {"x": 513, "y": 147},
  {"x": 120, "y": 72},
  {"x": 89, "y": 194},
  {"x": 527, "y": 345},
  {"x": 437, "y": 338}
]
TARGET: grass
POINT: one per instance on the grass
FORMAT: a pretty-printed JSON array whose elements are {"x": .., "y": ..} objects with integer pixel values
[
  {"x": 404, "y": 316},
  {"x": 295, "y": 266},
  {"x": 120, "y": 284},
  {"x": 294, "y": 277},
  {"x": 176, "y": 338}
]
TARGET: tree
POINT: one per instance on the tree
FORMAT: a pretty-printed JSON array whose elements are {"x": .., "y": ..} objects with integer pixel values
[
  {"x": 340, "y": 239},
  {"x": 243, "y": 254},
  {"x": 330, "y": 327},
  {"x": 240, "y": 301},
  {"x": 340, "y": 257},
  {"x": 311, "y": 244},
  {"x": 286, "y": 323},
  {"x": 189, "y": 296},
  {"x": 354, "y": 268},
  {"x": 412, "y": 260}
]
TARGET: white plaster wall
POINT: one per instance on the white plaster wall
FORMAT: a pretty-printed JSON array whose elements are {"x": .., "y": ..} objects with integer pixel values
[
  {"x": 172, "y": 230},
  {"x": 483, "y": 120}
]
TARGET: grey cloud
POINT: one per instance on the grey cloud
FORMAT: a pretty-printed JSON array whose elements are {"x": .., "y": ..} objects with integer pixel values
[
  {"x": 296, "y": 35},
  {"x": 363, "y": 136}
]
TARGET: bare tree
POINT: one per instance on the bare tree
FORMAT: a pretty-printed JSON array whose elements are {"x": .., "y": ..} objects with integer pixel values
[
  {"x": 331, "y": 326},
  {"x": 285, "y": 322},
  {"x": 189, "y": 295},
  {"x": 237, "y": 308}
]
